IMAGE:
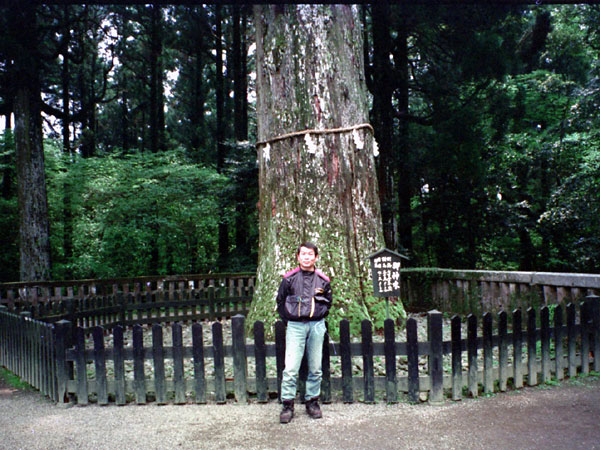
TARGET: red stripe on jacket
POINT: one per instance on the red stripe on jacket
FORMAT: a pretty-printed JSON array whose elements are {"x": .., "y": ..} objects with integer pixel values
[{"x": 317, "y": 271}]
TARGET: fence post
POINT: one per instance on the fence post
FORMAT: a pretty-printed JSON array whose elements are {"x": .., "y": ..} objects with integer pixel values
[
  {"x": 545, "y": 338},
  {"x": 100, "y": 365},
  {"x": 219, "y": 360},
  {"x": 82, "y": 386},
  {"x": 456, "y": 358},
  {"x": 502, "y": 350},
  {"x": 240, "y": 363},
  {"x": 121, "y": 299},
  {"x": 158, "y": 358},
  {"x": 436, "y": 356},
  {"x": 391, "y": 386},
  {"x": 412, "y": 354},
  {"x": 211, "y": 303},
  {"x": 472, "y": 355},
  {"x": 279, "y": 353},
  {"x": 24, "y": 346},
  {"x": 488, "y": 375},
  {"x": 139, "y": 379},
  {"x": 3, "y": 340},
  {"x": 62, "y": 332},
  {"x": 518, "y": 348},
  {"x": 119, "y": 365},
  {"x": 198, "y": 354},
  {"x": 584, "y": 323},
  {"x": 71, "y": 315},
  {"x": 346, "y": 357},
  {"x": 178, "y": 377},
  {"x": 571, "y": 340},
  {"x": 559, "y": 334},
  {"x": 48, "y": 346},
  {"x": 367, "y": 354},
  {"x": 531, "y": 350},
  {"x": 595, "y": 310},
  {"x": 260, "y": 357}
]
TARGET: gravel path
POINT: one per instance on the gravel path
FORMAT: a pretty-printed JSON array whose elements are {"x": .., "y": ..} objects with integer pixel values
[{"x": 560, "y": 417}]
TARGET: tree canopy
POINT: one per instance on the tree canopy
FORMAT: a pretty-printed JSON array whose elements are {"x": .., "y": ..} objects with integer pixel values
[{"x": 486, "y": 118}]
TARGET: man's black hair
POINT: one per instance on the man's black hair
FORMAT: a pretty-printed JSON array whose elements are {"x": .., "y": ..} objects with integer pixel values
[{"x": 308, "y": 245}]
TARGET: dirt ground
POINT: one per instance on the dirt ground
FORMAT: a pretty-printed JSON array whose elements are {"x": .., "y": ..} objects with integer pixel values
[{"x": 547, "y": 417}]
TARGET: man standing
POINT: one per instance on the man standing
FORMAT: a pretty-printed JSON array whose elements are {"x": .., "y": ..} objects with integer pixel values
[{"x": 303, "y": 302}]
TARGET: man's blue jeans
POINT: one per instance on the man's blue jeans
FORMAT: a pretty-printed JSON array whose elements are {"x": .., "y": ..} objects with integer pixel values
[{"x": 298, "y": 336}]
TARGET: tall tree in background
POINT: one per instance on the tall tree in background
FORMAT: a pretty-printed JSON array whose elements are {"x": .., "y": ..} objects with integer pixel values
[
  {"x": 404, "y": 176},
  {"x": 155, "y": 80},
  {"x": 188, "y": 106},
  {"x": 382, "y": 86},
  {"x": 34, "y": 243},
  {"x": 240, "y": 125},
  {"x": 65, "y": 78},
  {"x": 220, "y": 131},
  {"x": 486, "y": 122},
  {"x": 319, "y": 187},
  {"x": 431, "y": 66}
]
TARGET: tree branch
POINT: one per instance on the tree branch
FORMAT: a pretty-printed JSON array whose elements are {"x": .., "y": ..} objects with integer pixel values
[
  {"x": 403, "y": 115},
  {"x": 59, "y": 113}
]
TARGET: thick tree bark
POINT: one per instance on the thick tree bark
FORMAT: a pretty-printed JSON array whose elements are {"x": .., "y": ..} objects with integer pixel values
[
  {"x": 34, "y": 243},
  {"x": 33, "y": 207},
  {"x": 320, "y": 187}
]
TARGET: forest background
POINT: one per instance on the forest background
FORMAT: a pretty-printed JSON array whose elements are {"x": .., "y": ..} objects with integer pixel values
[{"x": 486, "y": 118}]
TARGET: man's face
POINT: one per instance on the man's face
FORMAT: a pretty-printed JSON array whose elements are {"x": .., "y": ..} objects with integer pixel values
[{"x": 307, "y": 258}]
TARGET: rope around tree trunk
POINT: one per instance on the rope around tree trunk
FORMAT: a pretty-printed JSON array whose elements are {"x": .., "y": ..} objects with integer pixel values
[{"x": 314, "y": 131}]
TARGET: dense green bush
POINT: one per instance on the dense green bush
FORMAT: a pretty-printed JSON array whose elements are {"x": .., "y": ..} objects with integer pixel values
[
  {"x": 131, "y": 214},
  {"x": 136, "y": 214}
]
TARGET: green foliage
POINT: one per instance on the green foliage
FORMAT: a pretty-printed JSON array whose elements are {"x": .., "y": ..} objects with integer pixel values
[
  {"x": 13, "y": 380},
  {"x": 135, "y": 214},
  {"x": 506, "y": 171},
  {"x": 501, "y": 140},
  {"x": 9, "y": 232}
]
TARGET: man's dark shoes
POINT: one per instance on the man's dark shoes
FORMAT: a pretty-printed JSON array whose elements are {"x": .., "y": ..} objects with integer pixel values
[
  {"x": 287, "y": 412},
  {"x": 313, "y": 409}
]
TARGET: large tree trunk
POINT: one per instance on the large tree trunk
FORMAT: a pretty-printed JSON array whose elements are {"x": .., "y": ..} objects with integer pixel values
[
  {"x": 34, "y": 243},
  {"x": 323, "y": 186}
]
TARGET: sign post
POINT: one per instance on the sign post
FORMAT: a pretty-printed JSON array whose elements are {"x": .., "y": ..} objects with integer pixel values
[{"x": 385, "y": 271}]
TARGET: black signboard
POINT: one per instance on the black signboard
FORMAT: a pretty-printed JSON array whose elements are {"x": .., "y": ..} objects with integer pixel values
[{"x": 385, "y": 270}]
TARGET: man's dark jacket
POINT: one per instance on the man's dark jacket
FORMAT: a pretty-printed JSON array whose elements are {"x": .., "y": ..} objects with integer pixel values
[{"x": 298, "y": 282}]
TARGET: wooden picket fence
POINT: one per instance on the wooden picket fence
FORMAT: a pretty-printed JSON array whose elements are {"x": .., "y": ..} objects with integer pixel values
[
  {"x": 28, "y": 349},
  {"x": 57, "y": 359},
  {"x": 18, "y": 295},
  {"x": 211, "y": 303}
]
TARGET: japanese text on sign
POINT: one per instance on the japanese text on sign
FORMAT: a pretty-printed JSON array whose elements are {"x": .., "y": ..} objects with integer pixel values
[{"x": 387, "y": 272}]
